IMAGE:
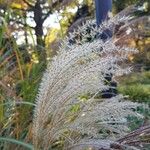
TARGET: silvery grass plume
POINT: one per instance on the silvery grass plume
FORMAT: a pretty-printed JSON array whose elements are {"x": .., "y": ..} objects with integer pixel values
[{"x": 61, "y": 114}]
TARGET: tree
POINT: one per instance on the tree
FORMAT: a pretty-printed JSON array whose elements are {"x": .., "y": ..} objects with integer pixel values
[{"x": 35, "y": 10}]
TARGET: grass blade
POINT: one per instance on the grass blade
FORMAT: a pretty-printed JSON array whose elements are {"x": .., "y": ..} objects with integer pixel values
[
  {"x": 18, "y": 103},
  {"x": 5, "y": 139}
]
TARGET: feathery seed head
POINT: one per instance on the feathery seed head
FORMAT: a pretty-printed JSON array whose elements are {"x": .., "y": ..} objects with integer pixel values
[{"x": 81, "y": 69}]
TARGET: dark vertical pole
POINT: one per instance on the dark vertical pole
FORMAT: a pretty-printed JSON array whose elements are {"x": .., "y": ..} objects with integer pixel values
[{"x": 102, "y": 9}]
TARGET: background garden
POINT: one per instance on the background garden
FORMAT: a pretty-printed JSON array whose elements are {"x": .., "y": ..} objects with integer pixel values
[{"x": 31, "y": 33}]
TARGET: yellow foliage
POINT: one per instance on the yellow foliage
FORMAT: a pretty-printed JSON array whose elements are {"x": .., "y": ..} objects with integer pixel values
[
  {"x": 51, "y": 36},
  {"x": 147, "y": 41},
  {"x": 16, "y": 5},
  {"x": 140, "y": 43},
  {"x": 132, "y": 43},
  {"x": 13, "y": 3},
  {"x": 131, "y": 57},
  {"x": 34, "y": 58},
  {"x": 19, "y": 4}
]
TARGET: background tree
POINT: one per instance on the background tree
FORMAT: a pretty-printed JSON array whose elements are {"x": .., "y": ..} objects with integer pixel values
[{"x": 23, "y": 11}]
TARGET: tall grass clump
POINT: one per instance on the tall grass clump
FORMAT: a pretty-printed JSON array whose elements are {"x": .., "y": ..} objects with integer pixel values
[{"x": 61, "y": 116}]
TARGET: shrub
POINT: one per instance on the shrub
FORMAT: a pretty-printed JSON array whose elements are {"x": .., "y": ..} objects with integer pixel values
[{"x": 136, "y": 92}]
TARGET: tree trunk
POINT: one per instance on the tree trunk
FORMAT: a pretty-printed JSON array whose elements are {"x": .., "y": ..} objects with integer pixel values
[{"x": 39, "y": 31}]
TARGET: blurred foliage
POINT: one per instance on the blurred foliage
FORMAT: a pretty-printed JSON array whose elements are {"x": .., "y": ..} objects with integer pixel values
[
  {"x": 119, "y": 5},
  {"x": 21, "y": 69},
  {"x": 135, "y": 122},
  {"x": 136, "y": 86},
  {"x": 137, "y": 92}
]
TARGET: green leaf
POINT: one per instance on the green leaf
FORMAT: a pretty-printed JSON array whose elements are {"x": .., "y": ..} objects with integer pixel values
[
  {"x": 5, "y": 139},
  {"x": 1, "y": 111},
  {"x": 18, "y": 103}
]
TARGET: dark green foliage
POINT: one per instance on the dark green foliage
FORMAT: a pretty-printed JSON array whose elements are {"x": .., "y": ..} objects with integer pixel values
[
  {"x": 137, "y": 87},
  {"x": 136, "y": 122},
  {"x": 137, "y": 92},
  {"x": 28, "y": 87}
]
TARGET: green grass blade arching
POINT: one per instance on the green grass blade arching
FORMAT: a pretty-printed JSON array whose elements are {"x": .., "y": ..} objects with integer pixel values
[{"x": 4, "y": 139}]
